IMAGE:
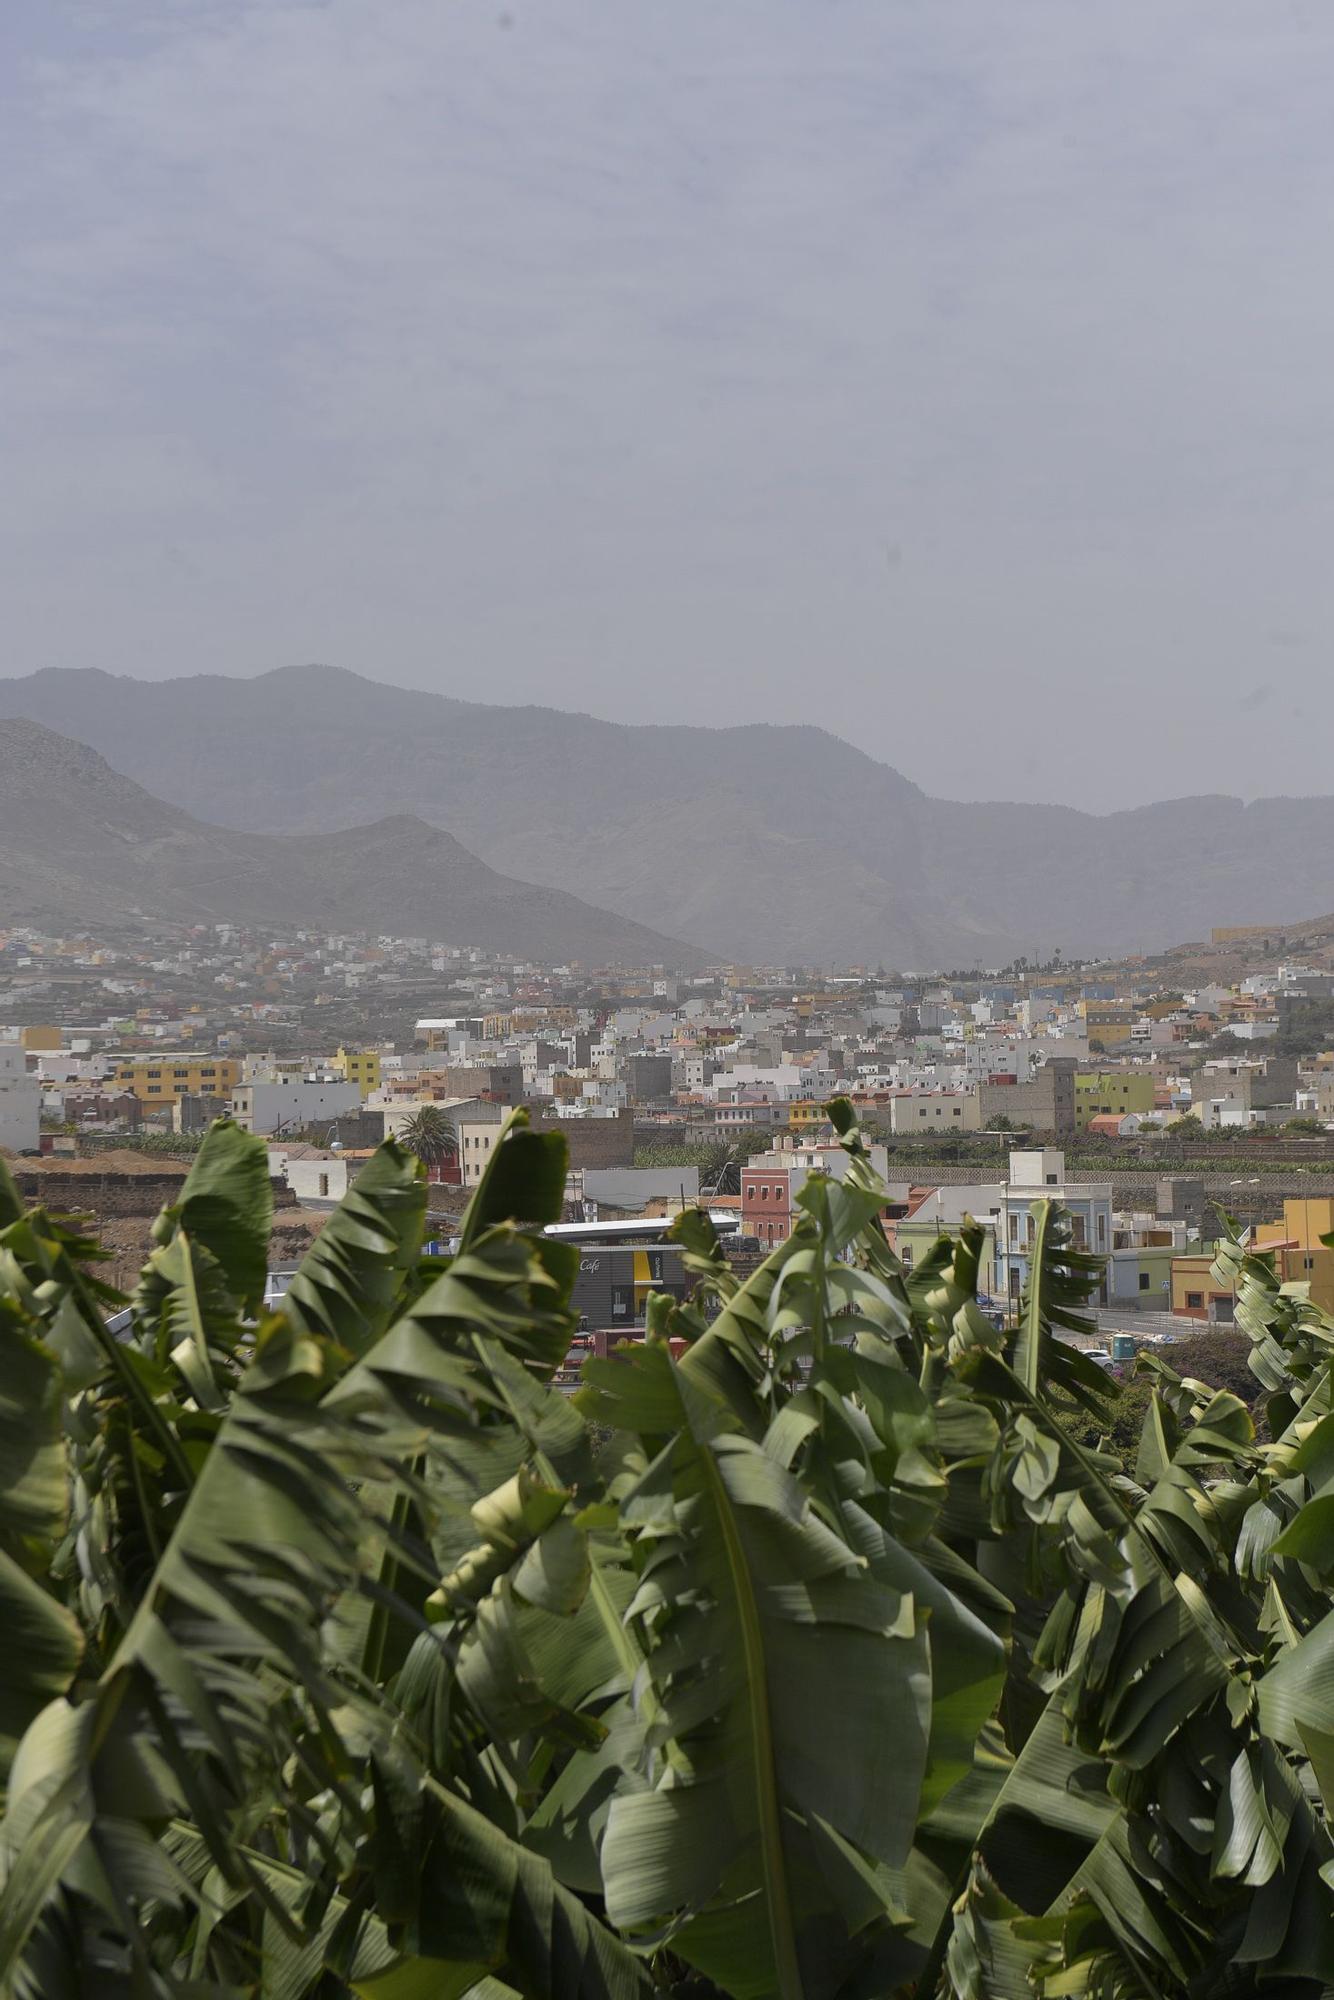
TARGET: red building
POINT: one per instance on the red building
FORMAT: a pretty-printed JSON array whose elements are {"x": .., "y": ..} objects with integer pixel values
[{"x": 766, "y": 1203}]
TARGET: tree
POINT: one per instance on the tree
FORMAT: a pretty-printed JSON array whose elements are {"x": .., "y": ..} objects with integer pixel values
[
  {"x": 822, "y": 1657},
  {"x": 1223, "y": 1360},
  {"x": 430, "y": 1135}
]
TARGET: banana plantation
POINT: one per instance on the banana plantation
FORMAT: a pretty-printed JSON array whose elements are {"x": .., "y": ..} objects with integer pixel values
[{"x": 801, "y": 1652}]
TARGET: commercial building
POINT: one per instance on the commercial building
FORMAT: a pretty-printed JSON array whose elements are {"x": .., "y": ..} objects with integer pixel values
[{"x": 613, "y": 1282}]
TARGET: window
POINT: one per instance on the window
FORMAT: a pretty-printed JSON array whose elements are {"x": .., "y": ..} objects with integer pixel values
[
  {"x": 1051, "y": 1180},
  {"x": 1144, "y": 1281},
  {"x": 324, "y": 1184},
  {"x": 1102, "y": 1231},
  {"x": 1014, "y": 1229},
  {"x": 1194, "y": 1300},
  {"x": 750, "y": 1192}
]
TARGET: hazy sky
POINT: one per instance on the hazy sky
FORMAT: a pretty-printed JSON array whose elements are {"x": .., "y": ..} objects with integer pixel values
[{"x": 958, "y": 374}]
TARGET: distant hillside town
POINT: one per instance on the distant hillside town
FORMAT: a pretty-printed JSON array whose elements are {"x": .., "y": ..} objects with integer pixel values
[{"x": 1144, "y": 1098}]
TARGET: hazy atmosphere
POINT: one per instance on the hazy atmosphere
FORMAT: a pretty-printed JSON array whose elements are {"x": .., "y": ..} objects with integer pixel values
[
  {"x": 666, "y": 1000},
  {"x": 918, "y": 370}
]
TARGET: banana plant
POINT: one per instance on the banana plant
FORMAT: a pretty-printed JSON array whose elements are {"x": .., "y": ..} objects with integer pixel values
[{"x": 801, "y": 1652}]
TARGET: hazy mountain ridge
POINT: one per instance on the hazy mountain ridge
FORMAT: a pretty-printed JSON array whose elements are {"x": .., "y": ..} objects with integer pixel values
[
  {"x": 756, "y": 842},
  {"x": 80, "y": 844}
]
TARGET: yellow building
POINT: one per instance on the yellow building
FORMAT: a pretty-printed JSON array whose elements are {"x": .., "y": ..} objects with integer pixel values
[
  {"x": 1196, "y": 1294},
  {"x": 359, "y": 1066},
  {"x": 805, "y": 1112},
  {"x": 159, "y": 1079},
  {"x": 1112, "y": 1091},
  {"x": 1108, "y": 1021},
  {"x": 39, "y": 1039},
  {"x": 1300, "y": 1258},
  {"x": 1299, "y": 1255}
]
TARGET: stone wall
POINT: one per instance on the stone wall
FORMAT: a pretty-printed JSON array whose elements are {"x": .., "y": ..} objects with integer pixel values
[{"x": 116, "y": 1194}]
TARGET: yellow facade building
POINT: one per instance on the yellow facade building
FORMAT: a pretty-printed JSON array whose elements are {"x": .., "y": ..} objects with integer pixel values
[
  {"x": 359, "y": 1066},
  {"x": 1299, "y": 1255},
  {"x": 1108, "y": 1021},
  {"x": 158, "y": 1080},
  {"x": 1300, "y": 1258},
  {"x": 40, "y": 1039},
  {"x": 1104, "y": 1092}
]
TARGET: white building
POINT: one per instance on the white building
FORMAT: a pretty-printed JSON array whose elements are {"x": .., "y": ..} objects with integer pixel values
[
  {"x": 317, "y": 1178},
  {"x": 1037, "y": 1176},
  {"x": 287, "y": 1106},
  {"x": 831, "y": 1160},
  {"x": 998, "y": 1055},
  {"x": 20, "y": 1101}
]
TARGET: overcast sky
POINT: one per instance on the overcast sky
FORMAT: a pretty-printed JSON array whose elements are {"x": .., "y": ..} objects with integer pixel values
[{"x": 958, "y": 374}]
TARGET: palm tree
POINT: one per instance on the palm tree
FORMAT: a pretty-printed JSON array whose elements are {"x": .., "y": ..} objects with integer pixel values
[{"x": 430, "y": 1135}]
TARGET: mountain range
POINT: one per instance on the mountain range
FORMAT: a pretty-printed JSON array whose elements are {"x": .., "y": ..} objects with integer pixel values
[
  {"x": 82, "y": 844},
  {"x": 757, "y": 843}
]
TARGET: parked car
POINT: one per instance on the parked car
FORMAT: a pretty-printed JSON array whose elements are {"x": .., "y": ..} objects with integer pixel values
[{"x": 1099, "y": 1356}]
